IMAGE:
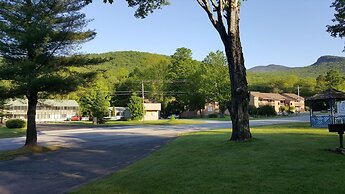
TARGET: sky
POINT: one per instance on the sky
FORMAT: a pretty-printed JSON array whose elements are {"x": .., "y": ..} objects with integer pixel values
[{"x": 291, "y": 33}]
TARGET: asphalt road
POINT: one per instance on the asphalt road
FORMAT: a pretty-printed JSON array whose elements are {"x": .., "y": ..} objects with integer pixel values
[{"x": 91, "y": 153}]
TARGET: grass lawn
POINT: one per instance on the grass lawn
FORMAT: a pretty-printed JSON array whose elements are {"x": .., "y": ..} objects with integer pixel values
[
  {"x": 11, "y": 154},
  {"x": 280, "y": 159},
  {"x": 6, "y": 132},
  {"x": 227, "y": 118},
  {"x": 158, "y": 122}
]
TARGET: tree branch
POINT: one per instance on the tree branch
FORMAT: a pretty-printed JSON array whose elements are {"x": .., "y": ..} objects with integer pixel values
[{"x": 206, "y": 6}]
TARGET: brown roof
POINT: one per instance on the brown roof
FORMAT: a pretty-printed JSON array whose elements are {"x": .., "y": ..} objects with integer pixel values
[
  {"x": 292, "y": 96},
  {"x": 268, "y": 96},
  {"x": 276, "y": 96},
  {"x": 330, "y": 94}
]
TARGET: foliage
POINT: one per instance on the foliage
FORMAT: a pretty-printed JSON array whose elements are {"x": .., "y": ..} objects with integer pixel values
[
  {"x": 292, "y": 109},
  {"x": 172, "y": 118},
  {"x": 15, "y": 123},
  {"x": 3, "y": 107},
  {"x": 213, "y": 115},
  {"x": 136, "y": 108},
  {"x": 144, "y": 7},
  {"x": 266, "y": 110},
  {"x": 54, "y": 29},
  {"x": 95, "y": 101},
  {"x": 34, "y": 37},
  {"x": 214, "y": 83},
  {"x": 252, "y": 110},
  {"x": 183, "y": 71},
  {"x": 338, "y": 29},
  {"x": 332, "y": 79}
]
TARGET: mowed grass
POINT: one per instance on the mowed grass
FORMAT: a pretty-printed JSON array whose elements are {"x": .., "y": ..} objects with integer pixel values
[
  {"x": 11, "y": 154},
  {"x": 7, "y": 133},
  {"x": 280, "y": 159},
  {"x": 130, "y": 123}
]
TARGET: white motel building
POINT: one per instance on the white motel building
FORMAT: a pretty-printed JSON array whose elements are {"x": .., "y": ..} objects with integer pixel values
[{"x": 47, "y": 110}]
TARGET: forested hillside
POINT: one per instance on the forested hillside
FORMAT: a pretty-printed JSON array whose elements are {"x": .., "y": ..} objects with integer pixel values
[{"x": 181, "y": 83}]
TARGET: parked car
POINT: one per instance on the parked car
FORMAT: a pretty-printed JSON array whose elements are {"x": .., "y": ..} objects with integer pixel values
[{"x": 76, "y": 118}]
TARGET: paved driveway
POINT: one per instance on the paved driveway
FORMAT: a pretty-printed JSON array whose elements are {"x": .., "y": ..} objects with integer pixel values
[{"x": 91, "y": 154}]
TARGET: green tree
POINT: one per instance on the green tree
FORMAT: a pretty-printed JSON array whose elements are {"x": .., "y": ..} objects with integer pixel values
[
  {"x": 144, "y": 7},
  {"x": 136, "y": 107},
  {"x": 184, "y": 86},
  {"x": 225, "y": 18},
  {"x": 95, "y": 101},
  {"x": 214, "y": 84},
  {"x": 100, "y": 105},
  {"x": 334, "y": 79},
  {"x": 338, "y": 28},
  {"x": 2, "y": 110},
  {"x": 34, "y": 35}
]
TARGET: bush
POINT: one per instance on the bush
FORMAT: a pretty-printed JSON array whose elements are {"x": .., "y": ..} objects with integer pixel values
[
  {"x": 15, "y": 123},
  {"x": 267, "y": 110},
  {"x": 214, "y": 115},
  {"x": 172, "y": 118},
  {"x": 136, "y": 108},
  {"x": 252, "y": 110}
]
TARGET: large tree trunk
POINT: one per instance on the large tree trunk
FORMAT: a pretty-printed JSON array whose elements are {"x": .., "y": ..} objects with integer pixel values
[
  {"x": 239, "y": 86},
  {"x": 225, "y": 17},
  {"x": 31, "y": 133}
]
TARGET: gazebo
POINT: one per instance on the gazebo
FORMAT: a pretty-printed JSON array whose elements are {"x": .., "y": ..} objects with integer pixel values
[{"x": 330, "y": 96}]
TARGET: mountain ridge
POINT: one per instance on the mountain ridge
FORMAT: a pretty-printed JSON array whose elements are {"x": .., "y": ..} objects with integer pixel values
[{"x": 321, "y": 66}]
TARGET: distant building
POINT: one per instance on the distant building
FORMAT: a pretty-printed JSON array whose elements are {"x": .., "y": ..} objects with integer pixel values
[
  {"x": 276, "y": 100},
  {"x": 209, "y": 108},
  {"x": 47, "y": 110},
  {"x": 152, "y": 111},
  {"x": 118, "y": 113}
]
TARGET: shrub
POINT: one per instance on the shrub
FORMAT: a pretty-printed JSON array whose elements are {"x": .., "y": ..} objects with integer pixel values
[
  {"x": 292, "y": 109},
  {"x": 252, "y": 110},
  {"x": 267, "y": 110},
  {"x": 136, "y": 108},
  {"x": 172, "y": 118},
  {"x": 214, "y": 115},
  {"x": 15, "y": 123}
]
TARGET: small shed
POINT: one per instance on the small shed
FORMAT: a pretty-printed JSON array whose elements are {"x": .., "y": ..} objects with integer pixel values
[
  {"x": 330, "y": 96},
  {"x": 152, "y": 111}
]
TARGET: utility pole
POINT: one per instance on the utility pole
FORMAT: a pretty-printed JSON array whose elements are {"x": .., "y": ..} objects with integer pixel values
[
  {"x": 298, "y": 91},
  {"x": 143, "y": 96}
]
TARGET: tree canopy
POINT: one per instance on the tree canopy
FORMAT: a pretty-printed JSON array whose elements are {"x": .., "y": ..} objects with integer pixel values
[
  {"x": 338, "y": 28},
  {"x": 35, "y": 38},
  {"x": 144, "y": 7}
]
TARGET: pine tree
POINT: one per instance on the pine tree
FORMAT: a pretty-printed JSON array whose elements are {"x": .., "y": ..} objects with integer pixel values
[{"x": 34, "y": 38}]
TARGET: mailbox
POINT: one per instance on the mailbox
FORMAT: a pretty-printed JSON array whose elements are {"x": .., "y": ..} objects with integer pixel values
[
  {"x": 339, "y": 128},
  {"x": 336, "y": 128}
]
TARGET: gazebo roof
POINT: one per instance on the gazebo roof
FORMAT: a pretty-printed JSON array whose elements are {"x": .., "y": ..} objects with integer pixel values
[{"x": 329, "y": 94}]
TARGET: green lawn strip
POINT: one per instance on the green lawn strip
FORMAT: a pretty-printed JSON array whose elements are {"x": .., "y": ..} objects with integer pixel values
[
  {"x": 227, "y": 118},
  {"x": 130, "y": 123},
  {"x": 280, "y": 159},
  {"x": 11, "y": 154},
  {"x": 7, "y": 133},
  {"x": 157, "y": 122}
]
